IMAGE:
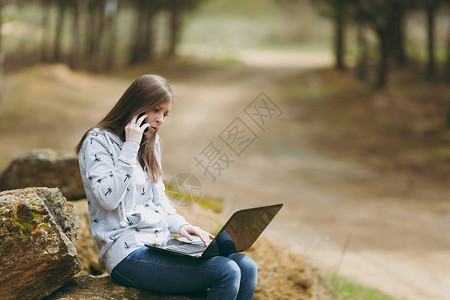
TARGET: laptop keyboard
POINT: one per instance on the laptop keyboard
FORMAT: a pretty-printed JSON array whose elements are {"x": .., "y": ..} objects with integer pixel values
[{"x": 187, "y": 248}]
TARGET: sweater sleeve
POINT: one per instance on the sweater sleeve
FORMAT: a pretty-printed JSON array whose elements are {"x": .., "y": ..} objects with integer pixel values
[{"x": 107, "y": 179}]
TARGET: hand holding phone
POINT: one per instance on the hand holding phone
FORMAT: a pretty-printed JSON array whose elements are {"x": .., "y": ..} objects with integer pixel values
[
  {"x": 143, "y": 122},
  {"x": 134, "y": 130}
]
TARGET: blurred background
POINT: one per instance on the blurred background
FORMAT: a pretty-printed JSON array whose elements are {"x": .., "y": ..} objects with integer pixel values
[{"x": 344, "y": 105}]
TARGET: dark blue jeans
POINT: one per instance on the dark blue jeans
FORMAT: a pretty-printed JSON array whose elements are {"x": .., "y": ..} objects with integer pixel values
[{"x": 231, "y": 277}]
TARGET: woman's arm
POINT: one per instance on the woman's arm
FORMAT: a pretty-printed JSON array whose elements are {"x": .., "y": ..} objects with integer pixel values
[{"x": 108, "y": 180}]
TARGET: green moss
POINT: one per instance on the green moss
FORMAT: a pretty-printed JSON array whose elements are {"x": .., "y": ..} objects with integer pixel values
[
  {"x": 42, "y": 220},
  {"x": 18, "y": 234},
  {"x": 21, "y": 225}
]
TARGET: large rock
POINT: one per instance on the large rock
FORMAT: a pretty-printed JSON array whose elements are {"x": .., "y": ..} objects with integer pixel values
[
  {"x": 45, "y": 167},
  {"x": 37, "y": 254},
  {"x": 88, "y": 287}
]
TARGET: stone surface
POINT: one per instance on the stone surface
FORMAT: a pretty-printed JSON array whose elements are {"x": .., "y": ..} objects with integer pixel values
[
  {"x": 87, "y": 249},
  {"x": 36, "y": 255},
  {"x": 45, "y": 167},
  {"x": 88, "y": 287},
  {"x": 63, "y": 212}
]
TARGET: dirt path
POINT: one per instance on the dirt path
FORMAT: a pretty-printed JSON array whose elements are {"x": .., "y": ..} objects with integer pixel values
[{"x": 398, "y": 233}]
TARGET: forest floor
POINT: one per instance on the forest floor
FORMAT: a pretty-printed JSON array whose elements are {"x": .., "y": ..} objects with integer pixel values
[{"x": 364, "y": 178}]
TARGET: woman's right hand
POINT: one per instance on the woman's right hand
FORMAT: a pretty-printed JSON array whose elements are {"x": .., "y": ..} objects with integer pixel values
[
  {"x": 187, "y": 230},
  {"x": 134, "y": 131}
]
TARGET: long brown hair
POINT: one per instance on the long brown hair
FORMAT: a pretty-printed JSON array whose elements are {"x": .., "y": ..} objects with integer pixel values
[{"x": 142, "y": 95}]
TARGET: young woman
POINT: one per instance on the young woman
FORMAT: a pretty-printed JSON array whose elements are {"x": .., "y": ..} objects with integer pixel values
[{"x": 120, "y": 164}]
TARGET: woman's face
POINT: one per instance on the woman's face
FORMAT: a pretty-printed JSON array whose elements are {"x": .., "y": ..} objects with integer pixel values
[{"x": 156, "y": 116}]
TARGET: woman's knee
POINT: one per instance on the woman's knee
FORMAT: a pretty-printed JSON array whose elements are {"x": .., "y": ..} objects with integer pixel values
[
  {"x": 248, "y": 267},
  {"x": 227, "y": 283},
  {"x": 232, "y": 273},
  {"x": 249, "y": 273}
]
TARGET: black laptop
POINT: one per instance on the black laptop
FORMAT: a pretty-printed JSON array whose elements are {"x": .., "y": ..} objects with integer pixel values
[{"x": 238, "y": 234}]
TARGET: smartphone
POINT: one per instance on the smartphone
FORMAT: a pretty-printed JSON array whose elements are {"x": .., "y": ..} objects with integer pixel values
[{"x": 143, "y": 122}]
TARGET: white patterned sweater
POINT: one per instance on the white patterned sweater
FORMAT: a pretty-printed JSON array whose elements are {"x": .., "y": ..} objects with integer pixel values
[{"x": 126, "y": 209}]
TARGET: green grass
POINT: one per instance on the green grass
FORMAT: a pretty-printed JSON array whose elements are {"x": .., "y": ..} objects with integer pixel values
[
  {"x": 224, "y": 62},
  {"x": 183, "y": 197},
  {"x": 348, "y": 289},
  {"x": 305, "y": 91}
]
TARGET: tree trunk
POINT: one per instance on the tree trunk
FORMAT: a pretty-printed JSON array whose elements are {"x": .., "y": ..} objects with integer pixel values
[
  {"x": 362, "y": 56},
  {"x": 448, "y": 114},
  {"x": 75, "y": 55},
  {"x": 174, "y": 25},
  {"x": 383, "y": 40},
  {"x": 447, "y": 75},
  {"x": 98, "y": 34},
  {"x": 431, "y": 9},
  {"x": 90, "y": 30},
  {"x": 112, "y": 12},
  {"x": 2, "y": 56},
  {"x": 79, "y": 21},
  {"x": 398, "y": 35},
  {"x": 339, "y": 38},
  {"x": 1, "y": 23},
  {"x": 139, "y": 33},
  {"x": 45, "y": 40},
  {"x": 59, "y": 27},
  {"x": 147, "y": 49},
  {"x": 447, "y": 63}
]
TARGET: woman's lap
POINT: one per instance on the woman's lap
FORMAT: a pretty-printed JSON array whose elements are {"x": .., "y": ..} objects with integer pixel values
[{"x": 165, "y": 273}]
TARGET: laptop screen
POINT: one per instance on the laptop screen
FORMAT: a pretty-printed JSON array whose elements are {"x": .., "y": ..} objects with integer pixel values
[{"x": 244, "y": 227}]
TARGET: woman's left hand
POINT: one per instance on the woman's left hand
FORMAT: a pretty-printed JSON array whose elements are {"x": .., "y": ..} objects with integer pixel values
[{"x": 188, "y": 230}]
